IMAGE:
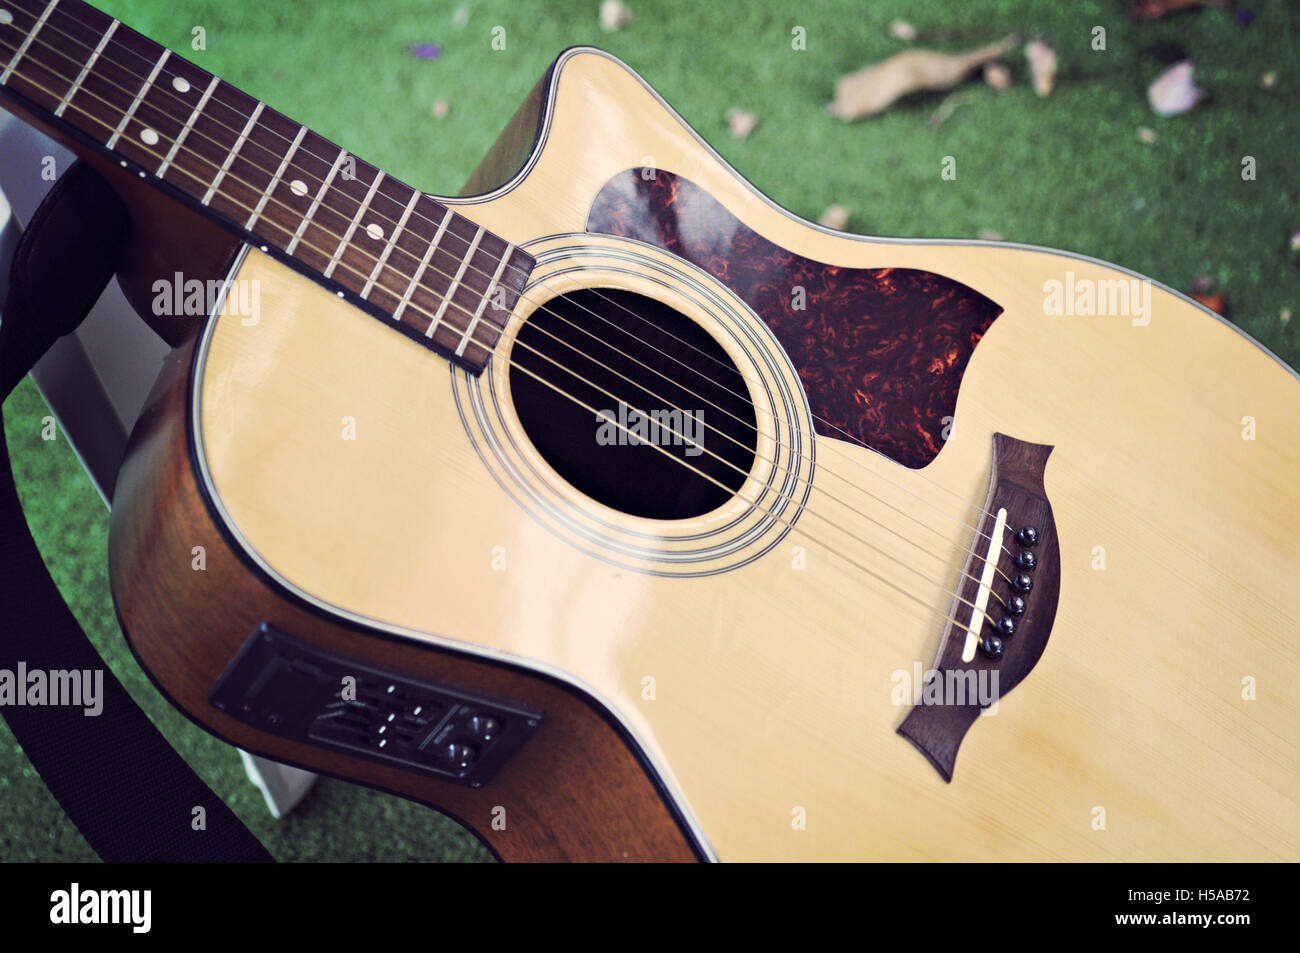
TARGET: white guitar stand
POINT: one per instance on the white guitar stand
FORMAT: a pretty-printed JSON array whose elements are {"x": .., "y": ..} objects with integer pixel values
[{"x": 97, "y": 378}]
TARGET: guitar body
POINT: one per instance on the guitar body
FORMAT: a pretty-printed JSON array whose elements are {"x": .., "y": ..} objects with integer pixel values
[{"x": 730, "y": 684}]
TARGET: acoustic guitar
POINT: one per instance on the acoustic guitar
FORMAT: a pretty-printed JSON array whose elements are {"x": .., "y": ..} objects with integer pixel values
[{"x": 621, "y": 514}]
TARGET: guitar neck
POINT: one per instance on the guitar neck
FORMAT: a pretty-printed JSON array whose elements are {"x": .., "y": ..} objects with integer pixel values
[{"x": 392, "y": 250}]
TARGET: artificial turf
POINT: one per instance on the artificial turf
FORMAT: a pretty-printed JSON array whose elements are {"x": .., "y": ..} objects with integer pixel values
[{"x": 1068, "y": 171}]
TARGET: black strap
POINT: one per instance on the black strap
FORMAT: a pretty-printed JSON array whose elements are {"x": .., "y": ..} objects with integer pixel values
[{"x": 129, "y": 793}]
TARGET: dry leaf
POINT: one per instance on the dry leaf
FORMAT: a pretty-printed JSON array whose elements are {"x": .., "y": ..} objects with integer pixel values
[
  {"x": 902, "y": 30},
  {"x": 1268, "y": 80},
  {"x": 988, "y": 235},
  {"x": 1284, "y": 315},
  {"x": 1216, "y": 301},
  {"x": 874, "y": 89},
  {"x": 440, "y": 109},
  {"x": 948, "y": 107},
  {"x": 460, "y": 17},
  {"x": 614, "y": 16},
  {"x": 1042, "y": 66},
  {"x": 1147, "y": 135},
  {"x": 741, "y": 122},
  {"x": 1203, "y": 291},
  {"x": 836, "y": 217},
  {"x": 1173, "y": 92},
  {"x": 1155, "y": 9},
  {"x": 997, "y": 76}
]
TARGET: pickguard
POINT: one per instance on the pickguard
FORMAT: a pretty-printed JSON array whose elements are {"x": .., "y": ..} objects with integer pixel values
[{"x": 880, "y": 351}]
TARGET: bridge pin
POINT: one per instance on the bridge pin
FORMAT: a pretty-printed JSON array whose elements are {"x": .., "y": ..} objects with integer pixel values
[{"x": 1027, "y": 536}]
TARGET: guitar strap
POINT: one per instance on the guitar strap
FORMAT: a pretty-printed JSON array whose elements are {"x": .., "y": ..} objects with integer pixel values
[{"x": 122, "y": 784}]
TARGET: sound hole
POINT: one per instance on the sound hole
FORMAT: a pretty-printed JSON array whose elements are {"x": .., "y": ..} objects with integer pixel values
[{"x": 663, "y": 401}]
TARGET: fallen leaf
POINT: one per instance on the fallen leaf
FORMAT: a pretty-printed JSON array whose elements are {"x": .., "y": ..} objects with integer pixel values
[
  {"x": 997, "y": 76},
  {"x": 1268, "y": 80},
  {"x": 1284, "y": 315},
  {"x": 835, "y": 216},
  {"x": 741, "y": 122},
  {"x": 948, "y": 107},
  {"x": 461, "y": 17},
  {"x": 1216, "y": 301},
  {"x": 614, "y": 16},
  {"x": 902, "y": 30},
  {"x": 1155, "y": 9},
  {"x": 873, "y": 89},
  {"x": 1173, "y": 92},
  {"x": 440, "y": 109},
  {"x": 1203, "y": 291},
  {"x": 1147, "y": 135},
  {"x": 988, "y": 235},
  {"x": 1042, "y": 66}
]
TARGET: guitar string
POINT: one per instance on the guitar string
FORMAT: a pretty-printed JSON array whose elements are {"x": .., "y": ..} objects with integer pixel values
[
  {"x": 391, "y": 243},
  {"x": 596, "y": 387}
]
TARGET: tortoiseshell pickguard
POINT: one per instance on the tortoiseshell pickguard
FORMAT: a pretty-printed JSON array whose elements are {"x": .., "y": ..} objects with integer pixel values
[{"x": 880, "y": 351}]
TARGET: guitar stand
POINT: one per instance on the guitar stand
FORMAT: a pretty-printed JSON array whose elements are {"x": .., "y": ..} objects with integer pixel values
[{"x": 53, "y": 277}]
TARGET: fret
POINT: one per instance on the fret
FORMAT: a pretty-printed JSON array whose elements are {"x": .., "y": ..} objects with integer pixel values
[
  {"x": 424, "y": 263},
  {"x": 315, "y": 202},
  {"x": 185, "y": 130},
  {"x": 374, "y": 235},
  {"x": 352, "y": 225},
  {"x": 36, "y": 76},
  {"x": 85, "y": 70},
  {"x": 451, "y": 289},
  {"x": 27, "y": 41},
  {"x": 478, "y": 313},
  {"x": 135, "y": 103},
  {"x": 392, "y": 243},
  {"x": 105, "y": 93},
  {"x": 284, "y": 164},
  {"x": 406, "y": 248},
  {"x": 150, "y": 133},
  {"x": 230, "y": 156}
]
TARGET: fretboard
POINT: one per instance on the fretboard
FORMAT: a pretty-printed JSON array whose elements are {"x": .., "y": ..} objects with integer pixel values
[{"x": 390, "y": 249}]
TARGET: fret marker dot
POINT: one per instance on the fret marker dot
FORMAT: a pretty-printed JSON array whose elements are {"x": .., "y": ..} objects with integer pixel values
[
  {"x": 298, "y": 187},
  {"x": 6, "y": 18},
  {"x": 149, "y": 137},
  {"x": 181, "y": 84},
  {"x": 374, "y": 231}
]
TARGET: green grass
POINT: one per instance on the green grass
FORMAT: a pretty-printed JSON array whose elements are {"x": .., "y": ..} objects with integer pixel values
[{"x": 1068, "y": 172}]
